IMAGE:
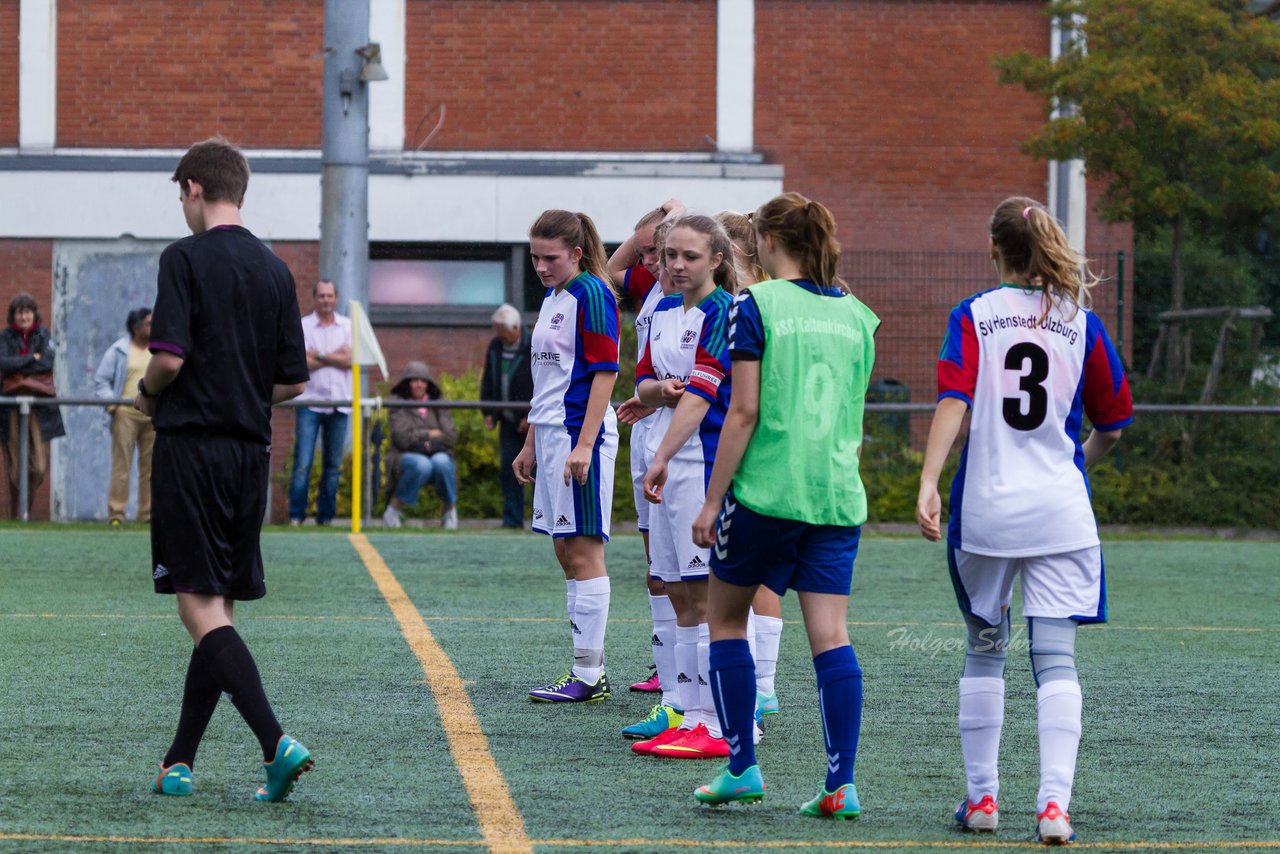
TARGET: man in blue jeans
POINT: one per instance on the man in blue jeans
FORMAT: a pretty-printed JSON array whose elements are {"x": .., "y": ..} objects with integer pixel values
[{"x": 328, "y": 342}]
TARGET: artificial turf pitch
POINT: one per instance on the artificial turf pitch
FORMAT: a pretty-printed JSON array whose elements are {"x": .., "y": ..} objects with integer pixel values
[{"x": 1180, "y": 726}]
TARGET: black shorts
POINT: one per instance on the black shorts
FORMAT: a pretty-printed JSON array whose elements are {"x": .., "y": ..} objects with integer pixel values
[{"x": 208, "y": 498}]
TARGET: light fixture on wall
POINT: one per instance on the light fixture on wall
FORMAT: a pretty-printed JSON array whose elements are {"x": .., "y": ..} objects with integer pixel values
[{"x": 373, "y": 70}]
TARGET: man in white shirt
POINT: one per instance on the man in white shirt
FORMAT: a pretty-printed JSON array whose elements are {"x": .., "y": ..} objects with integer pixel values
[{"x": 328, "y": 343}]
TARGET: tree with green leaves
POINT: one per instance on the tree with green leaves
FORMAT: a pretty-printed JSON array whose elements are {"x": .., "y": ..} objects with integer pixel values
[{"x": 1174, "y": 103}]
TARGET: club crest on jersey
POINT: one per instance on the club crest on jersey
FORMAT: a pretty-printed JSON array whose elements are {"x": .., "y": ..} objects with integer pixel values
[
  {"x": 556, "y": 320},
  {"x": 687, "y": 339}
]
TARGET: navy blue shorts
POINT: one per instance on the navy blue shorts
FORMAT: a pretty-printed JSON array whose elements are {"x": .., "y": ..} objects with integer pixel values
[{"x": 752, "y": 548}]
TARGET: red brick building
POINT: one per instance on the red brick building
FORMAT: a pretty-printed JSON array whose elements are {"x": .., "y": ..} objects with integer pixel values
[{"x": 888, "y": 111}]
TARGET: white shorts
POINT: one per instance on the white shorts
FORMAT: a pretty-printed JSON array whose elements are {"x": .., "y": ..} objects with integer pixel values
[
  {"x": 639, "y": 465},
  {"x": 574, "y": 510},
  {"x": 672, "y": 554},
  {"x": 1070, "y": 585}
]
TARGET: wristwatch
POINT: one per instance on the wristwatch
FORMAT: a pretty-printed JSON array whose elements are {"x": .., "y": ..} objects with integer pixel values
[{"x": 142, "y": 390}]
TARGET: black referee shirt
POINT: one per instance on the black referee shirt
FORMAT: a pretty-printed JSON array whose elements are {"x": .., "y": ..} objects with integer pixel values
[{"x": 227, "y": 305}]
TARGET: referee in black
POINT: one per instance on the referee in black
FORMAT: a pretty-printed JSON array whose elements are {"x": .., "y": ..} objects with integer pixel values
[{"x": 226, "y": 344}]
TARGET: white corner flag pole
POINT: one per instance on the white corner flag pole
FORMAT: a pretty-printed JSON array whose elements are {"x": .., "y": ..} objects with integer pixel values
[{"x": 365, "y": 351}]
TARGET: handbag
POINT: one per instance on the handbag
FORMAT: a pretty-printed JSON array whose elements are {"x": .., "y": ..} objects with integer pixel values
[{"x": 34, "y": 385}]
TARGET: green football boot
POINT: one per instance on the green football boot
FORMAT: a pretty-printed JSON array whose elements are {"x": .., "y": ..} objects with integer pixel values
[
  {"x": 290, "y": 761},
  {"x": 746, "y": 788},
  {"x": 841, "y": 805}
]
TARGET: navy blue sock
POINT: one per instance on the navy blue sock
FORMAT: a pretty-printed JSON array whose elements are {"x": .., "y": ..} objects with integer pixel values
[
  {"x": 840, "y": 698},
  {"x": 733, "y": 684}
]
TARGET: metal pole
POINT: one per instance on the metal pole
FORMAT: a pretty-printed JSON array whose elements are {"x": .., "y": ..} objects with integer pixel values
[
  {"x": 24, "y": 456},
  {"x": 344, "y": 152},
  {"x": 1120, "y": 303}
]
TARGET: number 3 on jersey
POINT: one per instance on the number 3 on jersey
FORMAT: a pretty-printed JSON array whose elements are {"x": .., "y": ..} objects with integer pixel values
[{"x": 1031, "y": 363}]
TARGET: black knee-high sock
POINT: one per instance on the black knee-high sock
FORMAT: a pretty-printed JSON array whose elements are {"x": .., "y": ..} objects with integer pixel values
[
  {"x": 228, "y": 659},
  {"x": 199, "y": 698}
]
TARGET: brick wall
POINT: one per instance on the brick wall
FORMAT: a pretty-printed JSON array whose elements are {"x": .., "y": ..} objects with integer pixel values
[
  {"x": 28, "y": 267},
  {"x": 562, "y": 74},
  {"x": 892, "y": 116},
  {"x": 156, "y": 73},
  {"x": 8, "y": 73}
]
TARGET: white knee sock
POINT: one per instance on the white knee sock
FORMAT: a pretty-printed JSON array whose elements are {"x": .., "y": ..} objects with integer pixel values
[
  {"x": 591, "y": 615},
  {"x": 981, "y": 719},
  {"x": 768, "y": 636},
  {"x": 1058, "y": 704},
  {"x": 664, "y": 647},
  {"x": 571, "y": 605},
  {"x": 709, "y": 716},
  {"x": 687, "y": 675}
]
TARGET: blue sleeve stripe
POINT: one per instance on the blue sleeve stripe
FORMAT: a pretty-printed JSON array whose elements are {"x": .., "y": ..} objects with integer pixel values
[
  {"x": 1113, "y": 426},
  {"x": 711, "y": 398},
  {"x": 952, "y": 348},
  {"x": 958, "y": 396},
  {"x": 716, "y": 328}
]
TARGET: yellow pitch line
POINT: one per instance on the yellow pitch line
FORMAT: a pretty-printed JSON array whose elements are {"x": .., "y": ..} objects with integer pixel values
[
  {"x": 500, "y": 822},
  {"x": 630, "y": 843}
]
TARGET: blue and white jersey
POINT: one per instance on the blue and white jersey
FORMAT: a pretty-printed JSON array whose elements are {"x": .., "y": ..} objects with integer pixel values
[
  {"x": 693, "y": 347},
  {"x": 575, "y": 336},
  {"x": 1029, "y": 378},
  {"x": 644, "y": 316}
]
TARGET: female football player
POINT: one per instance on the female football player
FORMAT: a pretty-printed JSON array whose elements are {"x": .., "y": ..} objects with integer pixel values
[
  {"x": 684, "y": 374},
  {"x": 1026, "y": 359},
  {"x": 574, "y": 439},
  {"x": 766, "y": 608},
  {"x": 785, "y": 501}
]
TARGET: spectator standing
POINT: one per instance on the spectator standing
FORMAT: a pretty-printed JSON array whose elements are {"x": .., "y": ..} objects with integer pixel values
[
  {"x": 508, "y": 377},
  {"x": 122, "y": 366},
  {"x": 328, "y": 341},
  {"x": 26, "y": 352},
  {"x": 422, "y": 441}
]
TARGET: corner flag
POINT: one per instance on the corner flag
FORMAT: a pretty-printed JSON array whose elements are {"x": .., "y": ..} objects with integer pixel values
[{"x": 364, "y": 351}]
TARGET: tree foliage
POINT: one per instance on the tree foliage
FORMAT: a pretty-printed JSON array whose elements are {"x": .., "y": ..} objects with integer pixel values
[{"x": 1176, "y": 104}]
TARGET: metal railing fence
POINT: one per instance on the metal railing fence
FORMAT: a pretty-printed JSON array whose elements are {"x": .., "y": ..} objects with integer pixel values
[{"x": 371, "y": 405}]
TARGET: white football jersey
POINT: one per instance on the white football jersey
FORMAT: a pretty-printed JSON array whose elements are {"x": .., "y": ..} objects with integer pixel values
[
  {"x": 1021, "y": 488},
  {"x": 576, "y": 335}
]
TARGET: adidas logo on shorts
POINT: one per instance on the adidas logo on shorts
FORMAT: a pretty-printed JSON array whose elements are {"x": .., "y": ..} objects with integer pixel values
[
  {"x": 160, "y": 572},
  {"x": 684, "y": 680},
  {"x": 697, "y": 563},
  {"x": 701, "y": 681},
  {"x": 563, "y": 522}
]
